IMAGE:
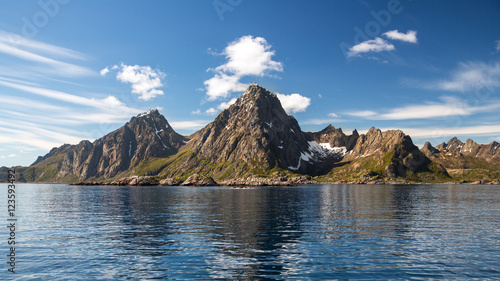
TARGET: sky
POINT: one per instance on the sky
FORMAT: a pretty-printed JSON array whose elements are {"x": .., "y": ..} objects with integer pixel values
[{"x": 74, "y": 70}]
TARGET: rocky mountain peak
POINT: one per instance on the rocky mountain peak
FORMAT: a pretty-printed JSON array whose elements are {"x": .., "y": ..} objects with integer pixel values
[
  {"x": 335, "y": 139},
  {"x": 428, "y": 149},
  {"x": 256, "y": 132},
  {"x": 145, "y": 136}
]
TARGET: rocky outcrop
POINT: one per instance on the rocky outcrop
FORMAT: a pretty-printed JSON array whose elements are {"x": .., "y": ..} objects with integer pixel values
[
  {"x": 393, "y": 146},
  {"x": 335, "y": 139},
  {"x": 199, "y": 180}
]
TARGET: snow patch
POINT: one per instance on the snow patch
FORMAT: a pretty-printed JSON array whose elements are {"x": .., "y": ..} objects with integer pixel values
[
  {"x": 269, "y": 124},
  {"x": 280, "y": 147},
  {"x": 130, "y": 149},
  {"x": 145, "y": 113},
  {"x": 156, "y": 132}
]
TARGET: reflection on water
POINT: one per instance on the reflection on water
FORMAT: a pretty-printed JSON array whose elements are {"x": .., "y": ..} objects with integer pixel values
[{"x": 308, "y": 232}]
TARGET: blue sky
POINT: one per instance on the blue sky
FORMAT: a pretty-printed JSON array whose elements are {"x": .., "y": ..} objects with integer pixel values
[{"x": 72, "y": 70}]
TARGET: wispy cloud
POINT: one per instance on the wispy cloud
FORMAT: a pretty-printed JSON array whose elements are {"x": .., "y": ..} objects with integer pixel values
[
  {"x": 498, "y": 46},
  {"x": 247, "y": 56},
  {"x": 449, "y": 106},
  {"x": 189, "y": 125},
  {"x": 437, "y": 132},
  {"x": 36, "y": 137},
  {"x": 105, "y": 103},
  {"x": 376, "y": 45},
  {"x": 321, "y": 121},
  {"x": 294, "y": 103},
  {"x": 362, "y": 113},
  {"x": 410, "y": 36},
  {"x": 468, "y": 77},
  {"x": 38, "y": 53}
]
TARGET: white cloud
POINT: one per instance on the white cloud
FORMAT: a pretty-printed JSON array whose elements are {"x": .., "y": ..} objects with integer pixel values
[
  {"x": 498, "y": 45},
  {"x": 211, "y": 111},
  {"x": 376, "y": 45},
  {"x": 410, "y": 36},
  {"x": 145, "y": 80},
  {"x": 249, "y": 56},
  {"x": 104, "y": 71},
  {"x": 222, "y": 85},
  {"x": 226, "y": 105},
  {"x": 113, "y": 101},
  {"x": 198, "y": 111},
  {"x": 333, "y": 115},
  {"x": 449, "y": 106},
  {"x": 470, "y": 76},
  {"x": 12, "y": 155},
  {"x": 246, "y": 56},
  {"x": 294, "y": 103}
]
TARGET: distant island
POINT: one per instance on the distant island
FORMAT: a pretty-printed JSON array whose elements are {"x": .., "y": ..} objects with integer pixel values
[{"x": 255, "y": 142}]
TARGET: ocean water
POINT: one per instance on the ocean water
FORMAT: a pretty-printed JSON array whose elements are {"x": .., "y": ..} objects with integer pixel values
[{"x": 66, "y": 232}]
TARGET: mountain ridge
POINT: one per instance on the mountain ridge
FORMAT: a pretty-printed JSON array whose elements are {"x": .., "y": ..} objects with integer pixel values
[{"x": 253, "y": 138}]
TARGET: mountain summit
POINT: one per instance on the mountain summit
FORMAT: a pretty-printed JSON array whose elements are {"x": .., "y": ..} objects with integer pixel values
[
  {"x": 254, "y": 134},
  {"x": 145, "y": 136}
]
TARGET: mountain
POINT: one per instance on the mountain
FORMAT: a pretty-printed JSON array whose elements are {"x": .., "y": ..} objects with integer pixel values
[
  {"x": 255, "y": 140},
  {"x": 467, "y": 161},
  {"x": 4, "y": 174},
  {"x": 253, "y": 136},
  {"x": 144, "y": 137},
  {"x": 335, "y": 139},
  {"x": 386, "y": 155}
]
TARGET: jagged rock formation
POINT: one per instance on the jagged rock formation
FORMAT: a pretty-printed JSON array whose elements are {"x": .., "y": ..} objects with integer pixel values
[
  {"x": 467, "y": 161},
  {"x": 335, "y": 140},
  {"x": 252, "y": 136},
  {"x": 388, "y": 154},
  {"x": 146, "y": 136}
]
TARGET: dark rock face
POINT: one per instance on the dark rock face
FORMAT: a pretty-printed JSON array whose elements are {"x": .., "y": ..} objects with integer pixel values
[
  {"x": 392, "y": 148},
  {"x": 145, "y": 136},
  {"x": 255, "y": 133},
  {"x": 335, "y": 138}
]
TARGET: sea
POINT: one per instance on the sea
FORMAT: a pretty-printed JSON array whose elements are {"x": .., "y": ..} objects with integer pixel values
[{"x": 312, "y": 232}]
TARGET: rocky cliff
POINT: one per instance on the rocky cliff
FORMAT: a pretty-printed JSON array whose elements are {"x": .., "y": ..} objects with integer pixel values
[{"x": 146, "y": 136}]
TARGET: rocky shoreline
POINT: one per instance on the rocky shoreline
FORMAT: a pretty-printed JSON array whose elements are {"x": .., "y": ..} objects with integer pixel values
[{"x": 199, "y": 180}]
